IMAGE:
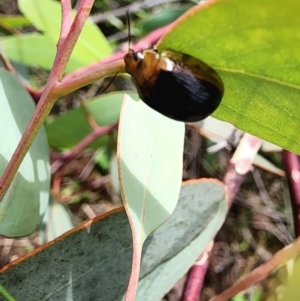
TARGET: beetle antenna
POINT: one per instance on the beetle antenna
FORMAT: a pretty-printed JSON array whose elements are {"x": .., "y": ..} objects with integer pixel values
[
  {"x": 110, "y": 82},
  {"x": 129, "y": 30}
]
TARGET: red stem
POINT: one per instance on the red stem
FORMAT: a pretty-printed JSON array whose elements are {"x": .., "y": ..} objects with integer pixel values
[
  {"x": 66, "y": 20},
  {"x": 72, "y": 78},
  {"x": 196, "y": 276},
  {"x": 67, "y": 44},
  {"x": 292, "y": 168},
  {"x": 47, "y": 98},
  {"x": 67, "y": 157}
]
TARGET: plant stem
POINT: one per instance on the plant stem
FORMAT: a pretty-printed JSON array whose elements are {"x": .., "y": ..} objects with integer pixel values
[
  {"x": 90, "y": 75},
  {"x": 49, "y": 95},
  {"x": 66, "y": 20},
  {"x": 279, "y": 259},
  {"x": 292, "y": 167},
  {"x": 99, "y": 131},
  {"x": 196, "y": 276},
  {"x": 6, "y": 294}
]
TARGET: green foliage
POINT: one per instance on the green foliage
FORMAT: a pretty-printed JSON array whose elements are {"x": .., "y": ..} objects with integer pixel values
[
  {"x": 208, "y": 197},
  {"x": 97, "y": 255},
  {"x": 162, "y": 18},
  {"x": 254, "y": 296},
  {"x": 40, "y": 49},
  {"x": 33, "y": 49},
  {"x": 254, "y": 46},
  {"x": 58, "y": 220},
  {"x": 291, "y": 291},
  {"x": 150, "y": 148},
  {"x": 24, "y": 204},
  {"x": 67, "y": 130},
  {"x": 6, "y": 294},
  {"x": 13, "y": 21}
]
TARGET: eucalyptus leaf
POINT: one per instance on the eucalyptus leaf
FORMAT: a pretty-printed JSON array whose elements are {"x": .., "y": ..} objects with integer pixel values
[
  {"x": 149, "y": 156},
  {"x": 67, "y": 130},
  {"x": 34, "y": 50},
  {"x": 45, "y": 15},
  {"x": 57, "y": 221},
  {"x": 97, "y": 255},
  {"x": 254, "y": 46},
  {"x": 25, "y": 202},
  {"x": 155, "y": 284},
  {"x": 161, "y": 18}
]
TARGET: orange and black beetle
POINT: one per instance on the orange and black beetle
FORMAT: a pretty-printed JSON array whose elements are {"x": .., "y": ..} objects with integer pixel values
[{"x": 175, "y": 84}]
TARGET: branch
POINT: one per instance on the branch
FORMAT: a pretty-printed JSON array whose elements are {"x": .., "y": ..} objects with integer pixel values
[
  {"x": 240, "y": 164},
  {"x": 292, "y": 168},
  {"x": 64, "y": 159},
  {"x": 66, "y": 45},
  {"x": 279, "y": 259},
  {"x": 48, "y": 97},
  {"x": 66, "y": 21},
  {"x": 196, "y": 276}
]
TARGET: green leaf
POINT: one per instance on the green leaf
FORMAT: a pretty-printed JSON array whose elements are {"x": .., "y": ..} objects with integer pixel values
[
  {"x": 102, "y": 158},
  {"x": 150, "y": 148},
  {"x": 57, "y": 221},
  {"x": 239, "y": 297},
  {"x": 114, "y": 176},
  {"x": 291, "y": 290},
  {"x": 67, "y": 130},
  {"x": 161, "y": 18},
  {"x": 33, "y": 49},
  {"x": 86, "y": 255},
  {"x": 254, "y": 46},
  {"x": 4, "y": 293},
  {"x": 13, "y": 21},
  {"x": 149, "y": 155},
  {"x": 23, "y": 206},
  {"x": 208, "y": 198},
  {"x": 82, "y": 258},
  {"x": 45, "y": 15},
  {"x": 211, "y": 199}
]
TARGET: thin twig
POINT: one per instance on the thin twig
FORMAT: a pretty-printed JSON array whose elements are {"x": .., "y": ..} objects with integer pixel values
[
  {"x": 48, "y": 97},
  {"x": 240, "y": 164},
  {"x": 8, "y": 243},
  {"x": 90, "y": 119},
  {"x": 196, "y": 276},
  {"x": 115, "y": 63},
  {"x": 66, "y": 21},
  {"x": 4, "y": 293},
  {"x": 292, "y": 168},
  {"x": 286, "y": 237},
  {"x": 6, "y": 63},
  {"x": 279, "y": 259},
  {"x": 67, "y": 45},
  {"x": 100, "y": 131}
]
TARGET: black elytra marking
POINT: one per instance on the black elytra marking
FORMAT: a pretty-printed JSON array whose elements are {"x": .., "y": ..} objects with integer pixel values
[
  {"x": 183, "y": 97},
  {"x": 175, "y": 84}
]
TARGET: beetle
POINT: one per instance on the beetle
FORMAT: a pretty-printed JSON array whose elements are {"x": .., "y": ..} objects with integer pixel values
[{"x": 175, "y": 84}]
